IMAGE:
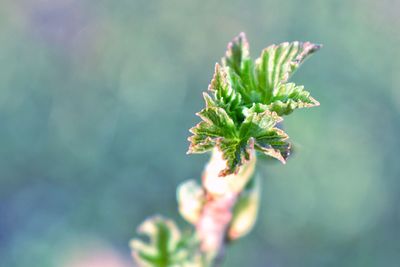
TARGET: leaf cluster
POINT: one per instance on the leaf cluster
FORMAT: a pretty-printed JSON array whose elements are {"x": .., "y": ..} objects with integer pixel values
[{"x": 246, "y": 100}]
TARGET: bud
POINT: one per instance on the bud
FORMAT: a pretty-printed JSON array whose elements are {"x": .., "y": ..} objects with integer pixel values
[
  {"x": 245, "y": 211},
  {"x": 190, "y": 200}
]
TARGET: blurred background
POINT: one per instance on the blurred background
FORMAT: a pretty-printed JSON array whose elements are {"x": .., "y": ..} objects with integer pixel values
[{"x": 96, "y": 99}]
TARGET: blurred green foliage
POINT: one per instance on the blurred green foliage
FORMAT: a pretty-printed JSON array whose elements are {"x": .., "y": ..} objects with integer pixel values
[{"x": 96, "y": 98}]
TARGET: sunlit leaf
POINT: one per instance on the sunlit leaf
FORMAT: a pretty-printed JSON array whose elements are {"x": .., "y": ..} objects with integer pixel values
[
  {"x": 278, "y": 62},
  {"x": 235, "y": 152},
  {"x": 216, "y": 124},
  {"x": 237, "y": 53},
  {"x": 260, "y": 124},
  {"x": 289, "y": 97},
  {"x": 225, "y": 96}
]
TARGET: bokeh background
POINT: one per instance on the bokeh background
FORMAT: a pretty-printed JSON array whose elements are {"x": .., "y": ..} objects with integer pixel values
[{"x": 96, "y": 98}]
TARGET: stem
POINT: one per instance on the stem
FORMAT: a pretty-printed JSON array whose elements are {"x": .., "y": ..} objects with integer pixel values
[
  {"x": 219, "y": 259},
  {"x": 221, "y": 196}
]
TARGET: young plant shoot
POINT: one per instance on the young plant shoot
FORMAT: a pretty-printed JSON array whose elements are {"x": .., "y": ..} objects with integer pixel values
[{"x": 244, "y": 107}]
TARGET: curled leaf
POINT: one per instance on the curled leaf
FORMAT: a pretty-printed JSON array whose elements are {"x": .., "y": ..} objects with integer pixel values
[
  {"x": 289, "y": 97},
  {"x": 277, "y": 63},
  {"x": 237, "y": 52},
  {"x": 268, "y": 139}
]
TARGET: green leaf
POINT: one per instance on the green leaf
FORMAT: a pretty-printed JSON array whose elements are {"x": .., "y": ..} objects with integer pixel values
[
  {"x": 166, "y": 248},
  {"x": 241, "y": 68},
  {"x": 258, "y": 131},
  {"x": 289, "y": 97},
  {"x": 200, "y": 143},
  {"x": 277, "y": 63},
  {"x": 237, "y": 53},
  {"x": 274, "y": 143},
  {"x": 225, "y": 95},
  {"x": 218, "y": 129},
  {"x": 209, "y": 101},
  {"x": 162, "y": 250},
  {"x": 235, "y": 152},
  {"x": 216, "y": 124},
  {"x": 260, "y": 124},
  {"x": 249, "y": 81}
]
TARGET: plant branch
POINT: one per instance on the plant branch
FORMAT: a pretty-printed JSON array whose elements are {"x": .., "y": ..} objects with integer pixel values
[
  {"x": 244, "y": 106},
  {"x": 221, "y": 196}
]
